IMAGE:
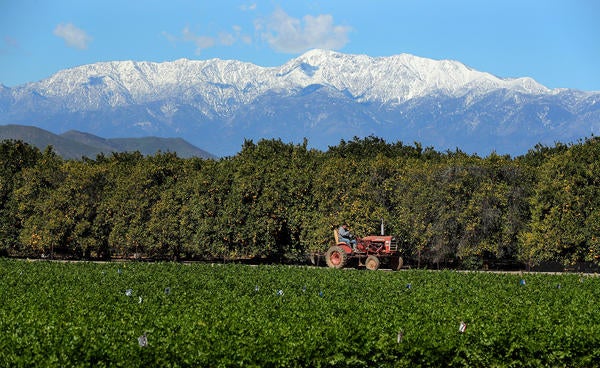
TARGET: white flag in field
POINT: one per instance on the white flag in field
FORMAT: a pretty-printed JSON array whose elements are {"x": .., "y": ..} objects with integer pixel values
[{"x": 462, "y": 327}]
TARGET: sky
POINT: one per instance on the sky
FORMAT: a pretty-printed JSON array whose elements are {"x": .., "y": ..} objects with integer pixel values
[{"x": 555, "y": 42}]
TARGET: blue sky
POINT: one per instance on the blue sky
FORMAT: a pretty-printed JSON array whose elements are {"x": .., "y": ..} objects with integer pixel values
[{"x": 555, "y": 42}]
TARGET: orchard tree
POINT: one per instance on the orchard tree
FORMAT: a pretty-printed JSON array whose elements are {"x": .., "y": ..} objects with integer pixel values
[
  {"x": 42, "y": 228},
  {"x": 15, "y": 157},
  {"x": 565, "y": 222}
]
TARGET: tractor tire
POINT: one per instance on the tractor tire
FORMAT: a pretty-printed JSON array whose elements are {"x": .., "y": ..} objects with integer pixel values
[
  {"x": 336, "y": 257},
  {"x": 396, "y": 263},
  {"x": 372, "y": 263}
]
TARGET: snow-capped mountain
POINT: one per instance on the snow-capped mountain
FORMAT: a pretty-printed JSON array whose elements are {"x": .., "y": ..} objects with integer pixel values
[{"x": 324, "y": 96}]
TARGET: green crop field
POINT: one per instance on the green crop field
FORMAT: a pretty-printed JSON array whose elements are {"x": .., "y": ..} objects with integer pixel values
[{"x": 169, "y": 314}]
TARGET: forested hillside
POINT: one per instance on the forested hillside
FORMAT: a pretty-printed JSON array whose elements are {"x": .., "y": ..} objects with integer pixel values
[{"x": 279, "y": 201}]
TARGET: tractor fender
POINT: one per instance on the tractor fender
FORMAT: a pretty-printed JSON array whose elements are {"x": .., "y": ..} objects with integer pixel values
[{"x": 345, "y": 247}]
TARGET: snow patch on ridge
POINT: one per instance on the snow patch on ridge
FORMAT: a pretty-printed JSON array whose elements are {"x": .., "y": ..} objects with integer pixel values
[{"x": 394, "y": 79}]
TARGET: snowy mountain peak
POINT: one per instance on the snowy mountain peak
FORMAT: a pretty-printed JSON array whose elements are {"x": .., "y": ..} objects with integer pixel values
[
  {"x": 317, "y": 57},
  {"x": 397, "y": 78},
  {"x": 322, "y": 95},
  {"x": 392, "y": 79}
]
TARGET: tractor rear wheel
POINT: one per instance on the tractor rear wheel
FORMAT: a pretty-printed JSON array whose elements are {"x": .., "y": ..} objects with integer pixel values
[
  {"x": 372, "y": 263},
  {"x": 396, "y": 263},
  {"x": 336, "y": 257}
]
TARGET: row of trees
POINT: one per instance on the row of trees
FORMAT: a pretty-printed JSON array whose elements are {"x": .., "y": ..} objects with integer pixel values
[{"x": 280, "y": 201}]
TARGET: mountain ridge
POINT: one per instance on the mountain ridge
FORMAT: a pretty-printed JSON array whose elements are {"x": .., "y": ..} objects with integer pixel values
[
  {"x": 324, "y": 96},
  {"x": 139, "y": 79},
  {"x": 75, "y": 144}
]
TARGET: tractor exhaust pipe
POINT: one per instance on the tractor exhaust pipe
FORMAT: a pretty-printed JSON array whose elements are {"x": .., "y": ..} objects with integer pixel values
[{"x": 382, "y": 232}]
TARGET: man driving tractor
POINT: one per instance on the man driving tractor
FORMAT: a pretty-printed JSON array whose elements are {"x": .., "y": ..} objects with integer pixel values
[
  {"x": 368, "y": 250},
  {"x": 346, "y": 236}
]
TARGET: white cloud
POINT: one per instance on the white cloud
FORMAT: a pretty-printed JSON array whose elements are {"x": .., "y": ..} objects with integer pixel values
[
  {"x": 172, "y": 39},
  {"x": 73, "y": 36},
  {"x": 8, "y": 44},
  {"x": 249, "y": 7},
  {"x": 292, "y": 35},
  {"x": 226, "y": 39},
  {"x": 201, "y": 42},
  {"x": 246, "y": 39},
  {"x": 204, "y": 42}
]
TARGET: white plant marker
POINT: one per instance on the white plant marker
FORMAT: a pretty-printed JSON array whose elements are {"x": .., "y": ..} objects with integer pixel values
[
  {"x": 462, "y": 327},
  {"x": 143, "y": 340}
]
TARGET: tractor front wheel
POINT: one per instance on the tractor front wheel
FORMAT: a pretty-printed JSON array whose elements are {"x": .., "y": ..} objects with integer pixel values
[
  {"x": 336, "y": 257},
  {"x": 372, "y": 263}
]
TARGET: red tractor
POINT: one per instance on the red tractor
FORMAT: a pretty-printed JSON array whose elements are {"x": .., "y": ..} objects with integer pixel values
[{"x": 370, "y": 252}]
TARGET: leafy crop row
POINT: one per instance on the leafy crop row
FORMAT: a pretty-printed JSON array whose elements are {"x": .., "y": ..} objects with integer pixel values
[{"x": 66, "y": 314}]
